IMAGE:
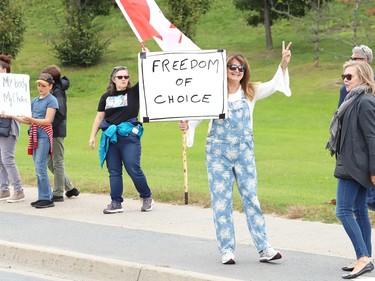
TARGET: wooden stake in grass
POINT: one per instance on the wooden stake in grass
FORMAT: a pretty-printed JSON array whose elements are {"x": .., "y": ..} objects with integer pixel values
[{"x": 184, "y": 159}]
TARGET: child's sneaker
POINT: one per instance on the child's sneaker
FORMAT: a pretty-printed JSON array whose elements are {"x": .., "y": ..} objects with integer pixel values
[
  {"x": 228, "y": 258},
  {"x": 269, "y": 254},
  {"x": 42, "y": 204}
]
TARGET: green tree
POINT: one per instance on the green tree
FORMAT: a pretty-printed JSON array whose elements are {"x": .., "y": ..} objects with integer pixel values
[
  {"x": 267, "y": 11},
  {"x": 12, "y": 28},
  {"x": 361, "y": 19},
  {"x": 184, "y": 14},
  {"x": 321, "y": 22},
  {"x": 79, "y": 43},
  {"x": 96, "y": 7}
]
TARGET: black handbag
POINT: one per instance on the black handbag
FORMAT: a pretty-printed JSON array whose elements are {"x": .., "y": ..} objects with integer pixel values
[{"x": 5, "y": 127}]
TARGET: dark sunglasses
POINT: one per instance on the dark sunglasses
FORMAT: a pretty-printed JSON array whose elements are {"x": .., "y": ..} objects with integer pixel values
[
  {"x": 120, "y": 77},
  {"x": 233, "y": 67},
  {"x": 347, "y": 76},
  {"x": 351, "y": 58}
]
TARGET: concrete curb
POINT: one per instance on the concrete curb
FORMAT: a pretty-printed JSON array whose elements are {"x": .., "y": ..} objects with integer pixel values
[{"x": 88, "y": 267}]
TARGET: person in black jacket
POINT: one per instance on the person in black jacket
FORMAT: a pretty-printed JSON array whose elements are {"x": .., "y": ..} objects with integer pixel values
[
  {"x": 352, "y": 141},
  {"x": 361, "y": 53},
  {"x": 56, "y": 162}
]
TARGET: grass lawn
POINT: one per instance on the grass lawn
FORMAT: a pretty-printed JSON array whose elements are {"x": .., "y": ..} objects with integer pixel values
[{"x": 295, "y": 171}]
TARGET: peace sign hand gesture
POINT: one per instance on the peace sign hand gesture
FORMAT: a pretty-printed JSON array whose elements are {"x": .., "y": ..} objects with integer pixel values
[{"x": 285, "y": 55}]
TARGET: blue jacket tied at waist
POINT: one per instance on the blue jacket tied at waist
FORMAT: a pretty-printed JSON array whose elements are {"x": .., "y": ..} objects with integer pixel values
[{"x": 110, "y": 135}]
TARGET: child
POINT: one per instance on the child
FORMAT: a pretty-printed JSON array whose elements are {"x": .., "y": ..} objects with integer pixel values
[{"x": 43, "y": 109}]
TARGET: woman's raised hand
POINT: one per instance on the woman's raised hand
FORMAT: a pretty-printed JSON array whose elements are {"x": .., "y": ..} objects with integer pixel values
[{"x": 285, "y": 55}]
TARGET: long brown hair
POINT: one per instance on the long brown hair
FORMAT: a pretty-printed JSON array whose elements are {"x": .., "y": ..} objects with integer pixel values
[
  {"x": 111, "y": 87},
  {"x": 6, "y": 62},
  {"x": 245, "y": 81}
]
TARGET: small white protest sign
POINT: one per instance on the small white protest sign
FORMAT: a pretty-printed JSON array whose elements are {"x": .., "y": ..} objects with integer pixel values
[
  {"x": 15, "y": 94},
  {"x": 182, "y": 85}
]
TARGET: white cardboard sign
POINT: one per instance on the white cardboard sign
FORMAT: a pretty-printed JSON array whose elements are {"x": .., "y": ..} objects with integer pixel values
[
  {"x": 182, "y": 85},
  {"x": 15, "y": 94}
]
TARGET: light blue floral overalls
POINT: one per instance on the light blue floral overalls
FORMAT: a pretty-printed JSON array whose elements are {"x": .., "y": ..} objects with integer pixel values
[{"x": 229, "y": 157}]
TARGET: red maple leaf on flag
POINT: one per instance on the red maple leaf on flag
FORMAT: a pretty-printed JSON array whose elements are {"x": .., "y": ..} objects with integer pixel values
[{"x": 147, "y": 21}]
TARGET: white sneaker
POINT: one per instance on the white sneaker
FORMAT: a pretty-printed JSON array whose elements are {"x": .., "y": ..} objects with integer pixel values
[
  {"x": 4, "y": 194},
  {"x": 17, "y": 196},
  {"x": 228, "y": 258},
  {"x": 269, "y": 254}
]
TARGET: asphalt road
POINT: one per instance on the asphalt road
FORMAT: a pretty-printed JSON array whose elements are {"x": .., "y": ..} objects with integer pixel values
[
  {"x": 76, "y": 241},
  {"x": 163, "y": 250}
]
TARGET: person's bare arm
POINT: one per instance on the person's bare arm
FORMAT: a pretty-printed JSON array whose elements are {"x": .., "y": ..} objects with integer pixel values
[{"x": 95, "y": 128}]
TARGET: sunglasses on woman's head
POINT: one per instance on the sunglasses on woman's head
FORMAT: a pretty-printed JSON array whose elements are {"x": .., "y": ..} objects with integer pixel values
[
  {"x": 120, "y": 77},
  {"x": 347, "y": 76},
  {"x": 233, "y": 67},
  {"x": 354, "y": 58},
  {"x": 118, "y": 67}
]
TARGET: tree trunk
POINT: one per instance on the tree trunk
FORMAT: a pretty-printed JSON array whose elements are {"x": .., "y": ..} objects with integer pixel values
[
  {"x": 267, "y": 25},
  {"x": 316, "y": 32},
  {"x": 316, "y": 48},
  {"x": 355, "y": 22}
]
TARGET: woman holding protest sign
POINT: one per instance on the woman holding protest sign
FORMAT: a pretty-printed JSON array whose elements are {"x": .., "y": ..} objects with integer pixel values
[
  {"x": 120, "y": 141},
  {"x": 230, "y": 155},
  {"x": 9, "y": 133}
]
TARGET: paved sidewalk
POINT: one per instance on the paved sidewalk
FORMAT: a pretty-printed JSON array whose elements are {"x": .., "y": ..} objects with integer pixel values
[{"x": 172, "y": 242}]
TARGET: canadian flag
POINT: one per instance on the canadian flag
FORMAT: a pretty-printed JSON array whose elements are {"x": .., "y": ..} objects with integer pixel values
[{"x": 147, "y": 21}]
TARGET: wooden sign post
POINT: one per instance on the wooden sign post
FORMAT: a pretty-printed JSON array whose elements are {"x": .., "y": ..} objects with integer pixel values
[{"x": 182, "y": 85}]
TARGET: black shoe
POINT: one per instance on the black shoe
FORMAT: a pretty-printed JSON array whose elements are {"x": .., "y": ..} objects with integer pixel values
[
  {"x": 34, "y": 203},
  {"x": 73, "y": 192},
  {"x": 57, "y": 198},
  {"x": 346, "y": 268},
  {"x": 44, "y": 204},
  {"x": 368, "y": 267}
]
